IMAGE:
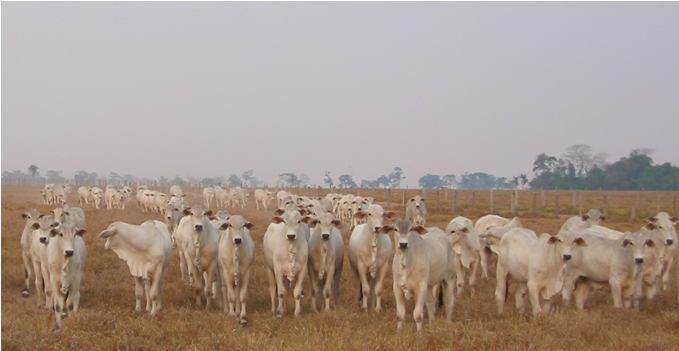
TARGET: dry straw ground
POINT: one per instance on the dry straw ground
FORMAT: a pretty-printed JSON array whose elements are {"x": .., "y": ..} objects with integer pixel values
[{"x": 107, "y": 320}]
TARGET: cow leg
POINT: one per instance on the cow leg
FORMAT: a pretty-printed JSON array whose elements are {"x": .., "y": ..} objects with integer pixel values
[
  {"x": 182, "y": 267},
  {"x": 569, "y": 283},
  {"x": 365, "y": 285},
  {"x": 46, "y": 280},
  {"x": 40, "y": 284},
  {"x": 449, "y": 298},
  {"x": 581, "y": 292},
  {"x": 379, "y": 285},
  {"x": 400, "y": 305},
  {"x": 272, "y": 289},
  {"x": 534, "y": 294},
  {"x": 459, "y": 272},
  {"x": 666, "y": 274},
  {"x": 315, "y": 290},
  {"x": 430, "y": 302},
  {"x": 138, "y": 293},
  {"x": 280, "y": 287},
  {"x": 472, "y": 276},
  {"x": 328, "y": 288},
  {"x": 297, "y": 292},
  {"x": 28, "y": 273},
  {"x": 156, "y": 286},
  {"x": 211, "y": 293},
  {"x": 147, "y": 293},
  {"x": 520, "y": 297},
  {"x": 243, "y": 294},
  {"x": 483, "y": 257},
  {"x": 616, "y": 291},
  {"x": 500, "y": 287},
  {"x": 418, "y": 311}
]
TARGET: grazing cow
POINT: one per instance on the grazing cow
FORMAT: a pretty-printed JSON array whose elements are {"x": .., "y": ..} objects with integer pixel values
[
  {"x": 466, "y": 251},
  {"x": 235, "y": 256},
  {"x": 535, "y": 263},
  {"x": 31, "y": 216},
  {"x": 593, "y": 259},
  {"x": 483, "y": 226},
  {"x": 84, "y": 195},
  {"x": 416, "y": 210},
  {"x": 577, "y": 223},
  {"x": 74, "y": 215},
  {"x": 326, "y": 257},
  {"x": 263, "y": 197},
  {"x": 421, "y": 264},
  {"x": 66, "y": 256},
  {"x": 370, "y": 253},
  {"x": 208, "y": 196},
  {"x": 39, "y": 239},
  {"x": 662, "y": 225},
  {"x": 146, "y": 249},
  {"x": 286, "y": 252},
  {"x": 198, "y": 240}
]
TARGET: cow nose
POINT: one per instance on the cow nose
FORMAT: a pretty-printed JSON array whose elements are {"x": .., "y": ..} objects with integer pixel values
[
  {"x": 291, "y": 236},
  {"x": 43, "y": 240},
  {"x": 669, "y": 242},
  {"x": 639, "y": 260},
  {"x": 325, "y": 236},
  {"x": 377, "y": 229},
  {"x": 417, "y": 206},
  {"x": 237, "y": 240},
  {"x": 566, "y": 257},
  {"x": 69, "y": 253},
  {"x": 403, "y": 245},
  {"x": 198, "y": 227}
]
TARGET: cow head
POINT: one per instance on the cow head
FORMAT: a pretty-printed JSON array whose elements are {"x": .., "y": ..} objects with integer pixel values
[
  {"x": 42, "y": 226},
  {"x": 65, "y": 236},
  {"x": 292, "y": 220},
  {"x": 662, "y": 227},
  {"x": 638, "y": 245},
  {"x": 461, "y": 231},
  {"x": 403, "y": 229},
  {"x": 374, "y": 216},
  {"x": 417, "y": 202},
  {"x": 571, "y": 243},
  {"x": 235, "y": 227},
  {"x": 30, "y": 215},
  {"x": 325, "y": 223}
]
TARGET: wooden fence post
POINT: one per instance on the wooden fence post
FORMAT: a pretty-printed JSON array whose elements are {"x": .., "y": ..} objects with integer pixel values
[
  {"x": 605, "y": 205},
  {"x": 454, "y": 200},
  {"x": 635, "y": 206},
  {"x": 580, "y": 203},
  {"x": 438, "y": 199},
  {"x": 543, "y": 200},
  {"x": 556, "y": 206},
  {"x": 473, "y": 199},
  {"x": 403, "y": 199},
  {"x": 674, "y": 204},
  {"x": 657, "y": 201},
  {"x": 492, "y": 201},
  {"x": 574, "y": 195},
  {"x": 534, "y": 207}
]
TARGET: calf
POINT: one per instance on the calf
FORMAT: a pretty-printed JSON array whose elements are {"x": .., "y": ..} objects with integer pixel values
[
  {"x": 39, "y": 239},
  {"x": 662, "y": 227},
  {"x": 263, "y": 197},
  {"x": 66, "y": 256},
  {"x": 31, "y": 216},
  {"x": 146, "y": 249},
  {"x": 235, "y": 257},
  {"x": 84, "y": 194},
  {"x": 416, "y": 210},
  {"x": 577, "y": 223},
  {"x": 466, "y": 251},
  {"x": 73, "y": 215},
  {"x": 208, "y": 196},
  {"x": 370, "y": 253},
  {"x": 484, "y": 226},
  {"x": 286, "y": 252},
  {"x": 326, "y": 256}
]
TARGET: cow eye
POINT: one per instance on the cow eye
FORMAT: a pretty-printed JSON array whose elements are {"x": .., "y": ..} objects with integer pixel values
[
  {"x": 61, "y": 234},
  {"x": 660, "y": 227},
  {"x": 370, "y": 214}
]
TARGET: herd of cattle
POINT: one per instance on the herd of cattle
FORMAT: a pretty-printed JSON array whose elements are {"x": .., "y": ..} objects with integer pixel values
[{"x": 428, "y": 264}]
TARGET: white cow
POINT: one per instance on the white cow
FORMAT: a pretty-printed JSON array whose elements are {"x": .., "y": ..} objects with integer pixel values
[
  {"x": 31, "y": 216},
  {"x": 235, "y": 257},
  {"x": 421, "y": 264},
  {"x": 416, "y": 210},
  {"x": 593, "y": 259},
  {"x": 535, "y": 263},
  {"x": 97, "y": 196},
  {"x": 263, "y": 197},
  {"x": 286, "y": 252},
  {"x": 483, "y": 226},
  {"x": 370, "y": 253},
  {"x": 466, "y": 251},
  {"x": 208, "y": 196},
  {"x": 197, "y": 239},
  {"x": 66, "y": 256},
  {"x": 146, "y": 249},
  {"x": 326, "y": 258},
  {"x": 73, "y": 215},
  {"x": 222, "y": 197},
  {"x": 176, "y": 190},
  {"x": 39, "y": 239},
  {"x": 576, "y": 223},
  {"x": 84, "y": 195},
  {"x": 663, "y": 226}
]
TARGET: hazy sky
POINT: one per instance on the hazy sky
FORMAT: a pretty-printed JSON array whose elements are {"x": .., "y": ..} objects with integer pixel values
[{"x": 207, "y": 89}]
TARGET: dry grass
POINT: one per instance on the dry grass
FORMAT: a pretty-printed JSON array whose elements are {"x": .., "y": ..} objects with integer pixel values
[{"x": 107, "y": 319}]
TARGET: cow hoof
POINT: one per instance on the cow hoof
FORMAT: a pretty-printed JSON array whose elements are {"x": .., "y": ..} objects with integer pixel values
[
  {"x": 24, "y": 293},
  {"x": 243, "y": 321}
]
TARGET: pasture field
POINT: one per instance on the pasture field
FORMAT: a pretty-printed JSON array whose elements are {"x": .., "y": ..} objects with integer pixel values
[{"x": 107, "y": 319}]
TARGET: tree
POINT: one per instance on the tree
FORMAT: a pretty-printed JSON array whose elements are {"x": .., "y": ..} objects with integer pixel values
[
  {"x": 544, "y": 164},
  {"x": 346, "y": 181},
  {"x": 288, "y": 179},
  {"x": 450, "y": 181},
  {"x": 395, "y": 177},
  {"x": 54, "y": 176},
  {"x": 303, "y": 180},
  {"x": 431, "y": 181},
  {"x": 327, "y": 180},
  {"x": 33, "y": 170},
  {"x": 248, "y": 177},
  {"x": 234, "y": 181},
  {"x": 178, "y": 181}
]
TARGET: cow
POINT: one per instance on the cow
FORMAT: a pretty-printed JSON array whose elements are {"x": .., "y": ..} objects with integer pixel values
[
  {"x": 97, "y": 196},
  {"x": 662, "y": 225},
  {"x": 421, "y": 264},
  {"x": 74, "y": 215},
  {"x": 483, "y": 227},
  {"x": 577, "y": 223},
  {"x": 593, "y": 259},
  {"x": 235, "y": 257},
  {"x": 466, "y": 251},
  {"x": 198, "y": 240},
  {"x": 176, "y": 190},
  {"x": 31, "y": 216},
  {"x": 146, "y": 249},
  {"x": 39, "y": 239},
  {"x": 66, "y": 257},
  {"x": 84, "y": 195},
  {"x": 208, "y": 196},
  {"x": 222, "y": 197},
  {"x": 263, "y": 197},
  {"x": 286, "y": 253},
  {"x": 326, "y": 258},
  {"x": 416, "y": 210},
  {"x": 536, "y": 263},
  {"x": 370, "y": 253}
]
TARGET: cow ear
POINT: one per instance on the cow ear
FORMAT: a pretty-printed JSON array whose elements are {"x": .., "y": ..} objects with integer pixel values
[
  {"x": 419, "y": 230},
  {"x": 224, "y": 226},
  {"x": 307, "y": 219},
  {"x": 360, "y": 214},
  {"x": 187, "y": 211},
  {"x": 603, "y": 218},
  {"x": 674, "y": 219},
  {"x": 208, "y": 213},
  {"x": 54, "y": 232},
  {"x": 212, "y": 218},
  {"x": 336, "y": 223},
  {"x": 580, "y": 242},
  {"x": 650, "y": 243},
  {"x": 249, "y": 225},
  {"x": 651, "y": 219},
  {"x": 66, "y": 213},
  {"x": 35, "y": 225},
  {"x": 389, "y": 215},
  {"x": 584, "y": 217},
  {"x": 313, "y": 223},
  {"x": 24, "y": 215},
  {"x": 650, "y": 226},
  {"x": 627, "y": 242},
  {"x": 277, "y": 220},
  {"x": 54, "y": 224},
  {"x": 411, "y": 200},
  {"x": 279, "y": 212},
  {"x": 52, "y": 211},
  {"x": 80, "y": 232},
  {"x": 464, "y": 230},
  {"x": 553, "y": 240},
  {"x": 386, "y": 229}
]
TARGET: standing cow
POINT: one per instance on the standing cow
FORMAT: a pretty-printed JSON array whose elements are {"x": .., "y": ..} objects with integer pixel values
[
  {"x": 326, "y": 257},
  {"x": 416, "y": 210}
]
